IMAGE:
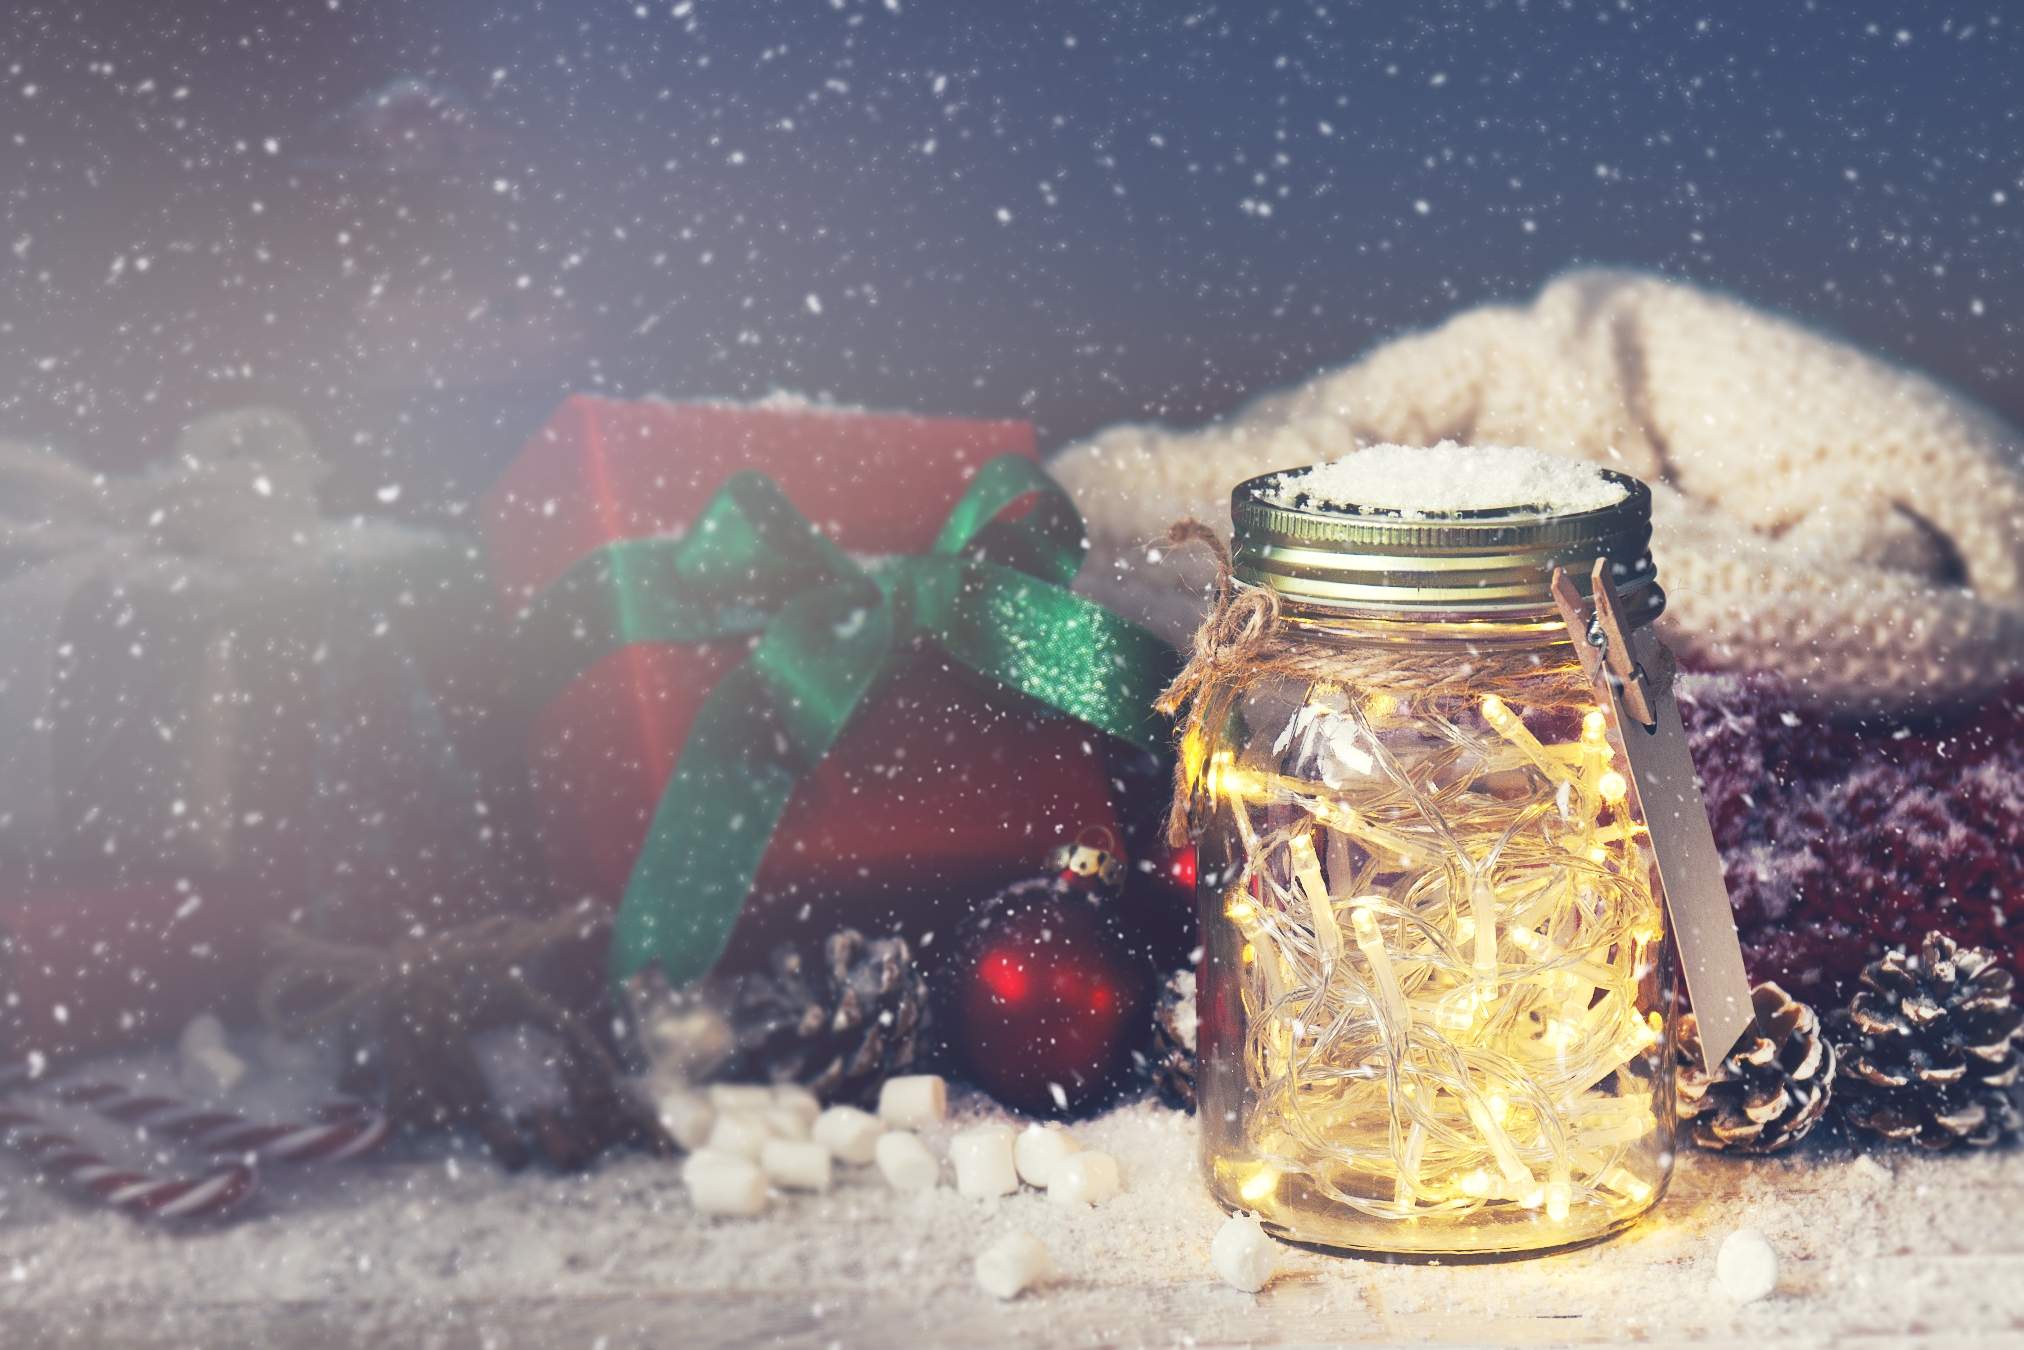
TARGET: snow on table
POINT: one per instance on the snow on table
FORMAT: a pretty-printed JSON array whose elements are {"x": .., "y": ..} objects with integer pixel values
[{"x": 431, "y": 1249}]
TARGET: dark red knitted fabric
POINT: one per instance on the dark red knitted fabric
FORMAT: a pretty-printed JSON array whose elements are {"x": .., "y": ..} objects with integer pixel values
[{"x": 1845, "y": 838}]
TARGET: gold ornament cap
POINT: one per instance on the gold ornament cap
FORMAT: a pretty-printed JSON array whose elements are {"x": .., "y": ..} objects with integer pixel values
[
  {"x": 1094, "y": 856},
  {"x": 1487, "y": 562}
]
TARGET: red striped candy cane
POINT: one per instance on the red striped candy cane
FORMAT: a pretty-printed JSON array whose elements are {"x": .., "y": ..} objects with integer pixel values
[
  {"x": 63, "y": 1161},
  {"x": 338, "y": 1132}
]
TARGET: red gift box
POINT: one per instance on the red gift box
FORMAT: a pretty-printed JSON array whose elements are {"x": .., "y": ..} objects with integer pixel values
[{"x": 943, "y": 786}]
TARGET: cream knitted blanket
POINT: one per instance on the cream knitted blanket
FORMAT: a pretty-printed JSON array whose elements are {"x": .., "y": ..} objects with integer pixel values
[{"x": 1818, "y": 512}]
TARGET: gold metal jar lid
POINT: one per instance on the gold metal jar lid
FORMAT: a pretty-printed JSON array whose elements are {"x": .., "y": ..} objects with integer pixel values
[{"x": 1468, "y": 564}]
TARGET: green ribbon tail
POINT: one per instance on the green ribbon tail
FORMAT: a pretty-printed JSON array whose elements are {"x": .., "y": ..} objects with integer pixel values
[
  {"x": 1052, "y": 645},
  {"x": 757, "y": 734},
  {"x": 1047, "y": 543},
  {"x": 994, "y": 595}
]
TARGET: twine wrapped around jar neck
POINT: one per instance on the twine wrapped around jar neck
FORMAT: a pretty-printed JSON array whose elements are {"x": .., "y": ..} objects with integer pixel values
[{"x": 1244, "y": 639}]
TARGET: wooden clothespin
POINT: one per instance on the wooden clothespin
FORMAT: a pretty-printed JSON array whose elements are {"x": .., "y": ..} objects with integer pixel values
[
  {"x": 1633, "y": 676},
  {"x": 1602, "y": 640}
]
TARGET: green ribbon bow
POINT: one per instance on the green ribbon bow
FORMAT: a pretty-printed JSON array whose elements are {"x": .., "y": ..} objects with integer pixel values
[{"x": 823, "y": 630}]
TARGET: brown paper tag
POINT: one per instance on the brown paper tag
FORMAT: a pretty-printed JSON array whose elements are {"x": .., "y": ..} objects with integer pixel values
[{"x": 1633, "y": 672}]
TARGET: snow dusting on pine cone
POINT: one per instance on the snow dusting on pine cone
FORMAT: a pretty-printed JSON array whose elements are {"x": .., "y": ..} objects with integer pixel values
[{"x": 1843, "y": 839}]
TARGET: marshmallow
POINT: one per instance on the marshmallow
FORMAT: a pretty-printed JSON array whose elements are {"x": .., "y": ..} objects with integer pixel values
[
  {"x": 739, "y": 1133},
  {"x": 210, "y": 1070},
  {"x": 206, "y": 1064},
  {"x": 723, "y": 1183},
  {"x": 686, "y": 1116},
  {"x": 850, "y": 1134},
  {"x": 906, "y": 1163},
  {"x": 1084, "y": 1178},
  {"x": 1243, "y": 1255},
  {"x": 983, "y": 1159},
  {"x": 1746, "y": 1266},
  {"x": 913, "y": 1100},
  {"x": 788, "y": 1097},
  {"x": 796, "y": 1166},
  {"x": 783, "y": 1122},
  {"x": 202, "y": 1031},
  {"x": 1012, "y": 1265},
  {"x": 740, "y": 1096},
  {"x": 1039, "y": 1149}
]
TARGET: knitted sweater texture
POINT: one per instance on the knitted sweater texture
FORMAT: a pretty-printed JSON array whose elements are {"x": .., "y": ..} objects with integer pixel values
[{"x": 1851, "y": 525}]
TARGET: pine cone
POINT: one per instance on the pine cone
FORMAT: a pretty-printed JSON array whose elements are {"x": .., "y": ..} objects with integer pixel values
[
  {"x": 1169, "y": 1066},
  {"x": 1930, "y": 1048},
  {"x": 1770, "y": 1091},
  {"x": 838, "y": 1022}
]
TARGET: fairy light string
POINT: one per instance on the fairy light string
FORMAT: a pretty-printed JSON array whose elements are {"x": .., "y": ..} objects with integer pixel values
[{"x": 1446, "y": 919}]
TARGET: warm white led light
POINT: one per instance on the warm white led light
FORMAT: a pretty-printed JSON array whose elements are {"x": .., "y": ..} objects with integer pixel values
[{"x": 1477, "y": 1033}]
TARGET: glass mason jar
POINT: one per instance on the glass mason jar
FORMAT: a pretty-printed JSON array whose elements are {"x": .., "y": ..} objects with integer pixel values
[{"x": 1436, "y": 987}]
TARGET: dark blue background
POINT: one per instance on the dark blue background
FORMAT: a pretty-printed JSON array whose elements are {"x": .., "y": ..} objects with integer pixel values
[{"x": 674, "y": 182}]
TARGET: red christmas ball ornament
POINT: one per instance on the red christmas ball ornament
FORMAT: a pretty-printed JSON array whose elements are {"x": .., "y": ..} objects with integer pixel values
[{"x": 1050, "y": 990}]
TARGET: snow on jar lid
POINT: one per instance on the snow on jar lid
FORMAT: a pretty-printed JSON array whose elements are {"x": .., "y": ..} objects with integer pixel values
[{"x": 1448, "y": 530}]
